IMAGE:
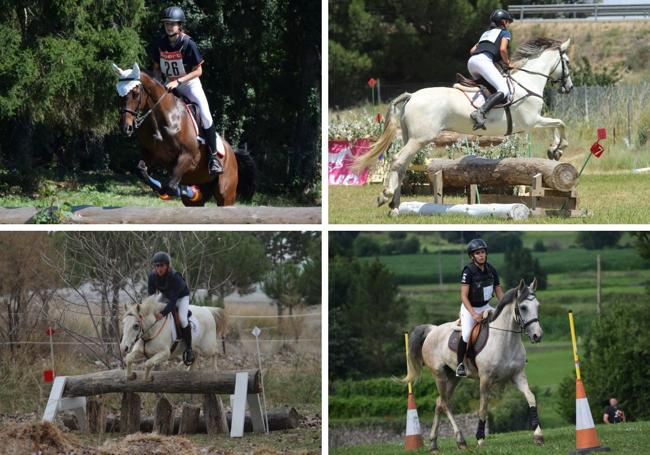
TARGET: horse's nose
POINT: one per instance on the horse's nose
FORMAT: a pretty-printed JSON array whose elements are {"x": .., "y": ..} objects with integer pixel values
[{"x": 128, "y": 129}]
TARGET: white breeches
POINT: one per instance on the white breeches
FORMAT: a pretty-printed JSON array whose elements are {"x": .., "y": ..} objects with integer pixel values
[
  {"x": 482, "y": 65},
  {"x": 183, "y": 304},
  {"x": 466, "y": 321},
  {"x": 193, "y": 90}
]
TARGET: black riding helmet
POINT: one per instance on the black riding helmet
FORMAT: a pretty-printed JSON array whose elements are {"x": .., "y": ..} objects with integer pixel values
[
  {"x": 161, "y": 258},
  {"x": 500, "y": 14},
  {"x": 475, "y": 245},
  {"x": 173, "y": 14}
]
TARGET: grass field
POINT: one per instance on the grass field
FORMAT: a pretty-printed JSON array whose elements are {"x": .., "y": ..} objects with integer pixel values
[
  {"x": 110, "y": 191},
  {"x": 607, "y": 199},
  {"x": 627, "y": 439}
]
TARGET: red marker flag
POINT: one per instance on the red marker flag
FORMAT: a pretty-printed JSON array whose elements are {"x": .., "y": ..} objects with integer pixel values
[
  {"x": 597, "y": 149},
  {"x": 372, "y": 82},
  {"x": 602, "y": 133},
  {"x": 379, "y": 117}
]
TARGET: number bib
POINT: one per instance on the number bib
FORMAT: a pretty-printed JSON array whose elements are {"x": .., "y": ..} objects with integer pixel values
[
  {"x": 490, "y": 35},
  {"x": 171, "y": 64}
]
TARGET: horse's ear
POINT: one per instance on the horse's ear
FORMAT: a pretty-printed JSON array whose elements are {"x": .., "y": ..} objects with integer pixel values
[
  {"x": 138, "y": 307},
  {"x": 533, "y": 285},
  {"x": 116, "y": 69},
  {"x": 136, "y": 71},
  {"x": 565, "y": 45},
  {"x": 522, "y": 285},
  {"x": 126, "y": 307}
]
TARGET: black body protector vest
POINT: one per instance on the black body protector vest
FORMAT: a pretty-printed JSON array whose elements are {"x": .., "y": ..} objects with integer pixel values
[
  {"x": 482, "y": 285},
  {"x": 490, "y": 43}
]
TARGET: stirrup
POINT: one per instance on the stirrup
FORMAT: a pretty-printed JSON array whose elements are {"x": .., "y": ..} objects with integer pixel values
[
  {"x": 477, "y": 116},
  {"x": 214, "y": 166}
]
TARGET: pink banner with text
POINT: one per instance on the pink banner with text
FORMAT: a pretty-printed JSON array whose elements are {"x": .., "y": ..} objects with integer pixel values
[{"x": 341, "y": 155}]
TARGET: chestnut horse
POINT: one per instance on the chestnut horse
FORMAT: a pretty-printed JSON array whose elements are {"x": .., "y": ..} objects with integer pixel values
[{"x": 168, "y": 139}]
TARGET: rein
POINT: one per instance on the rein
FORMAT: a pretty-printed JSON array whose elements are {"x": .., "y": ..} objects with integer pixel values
[
  {"x": 529, "y": 92},
  {"x": 520, "y": 321},
  {"x": 142, "y": 332}
]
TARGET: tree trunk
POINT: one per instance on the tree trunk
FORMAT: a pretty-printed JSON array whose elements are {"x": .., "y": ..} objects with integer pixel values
[
  {"x": 130, "y": 412},
  {"x": 503, "y": 172},
  {"x": 200, "y": 382},
  {"x": 96, "y": 418}
]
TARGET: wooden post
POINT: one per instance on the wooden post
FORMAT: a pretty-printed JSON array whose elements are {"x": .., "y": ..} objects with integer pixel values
[
  {"x": 189, "y": 419},
  {"x": 214, "y": 414},
  {"x": 95, "y": 416},
  {"x": 130, "y": 415},
  {"x": 599, "y": 307},
  {"x": 163, "y": 420},
  {"x": 436, "y": 187},
  {"x": 472, "y": 195}
]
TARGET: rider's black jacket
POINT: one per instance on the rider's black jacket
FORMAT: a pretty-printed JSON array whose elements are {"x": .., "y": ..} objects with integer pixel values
[{"x": 171, "y": 285}]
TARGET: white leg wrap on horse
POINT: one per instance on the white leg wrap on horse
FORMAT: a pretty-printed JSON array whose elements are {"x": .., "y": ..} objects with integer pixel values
[
  {"x": 182, "y": 304},
  {"x": 193, "y": 90}
]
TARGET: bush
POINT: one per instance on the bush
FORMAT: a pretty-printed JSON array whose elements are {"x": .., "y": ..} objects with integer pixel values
[
  {"x": 366, "y": 245},
  {"x": 597, "y": 240},
  {"x": 539, "y": 246}
]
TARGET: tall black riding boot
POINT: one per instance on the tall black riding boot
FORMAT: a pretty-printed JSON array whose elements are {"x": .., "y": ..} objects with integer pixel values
[
  {"x": 214, "y": 164},
  {"x": 462, "y": 348},
  {"x": 479, "y": 114},
  {"x": 188, "y": 355}
]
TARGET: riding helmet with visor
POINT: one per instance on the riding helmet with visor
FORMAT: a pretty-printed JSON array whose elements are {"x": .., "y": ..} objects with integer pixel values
[
  {"x": 173, "y": 14},
  {"x": 161, "y": 258},
  {"x": 475, "y": 245},
  {"x": 500, "y": 14}
]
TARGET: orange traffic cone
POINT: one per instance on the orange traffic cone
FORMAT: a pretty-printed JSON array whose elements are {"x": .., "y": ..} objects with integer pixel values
[
  {"x": 413, "y": 438},
  {"x": 586, "y": 436}
]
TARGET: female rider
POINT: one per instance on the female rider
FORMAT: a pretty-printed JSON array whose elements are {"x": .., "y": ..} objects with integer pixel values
[
  {"x": 492, "y": 48},
  {"x": 177, "y": 58},
  {"x": 478, "y": 283}
]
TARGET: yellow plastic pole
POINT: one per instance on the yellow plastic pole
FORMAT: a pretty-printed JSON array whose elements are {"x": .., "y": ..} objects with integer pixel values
[
  {"x": 575, "y": 347},
  {"x": 406, "y": 343}
]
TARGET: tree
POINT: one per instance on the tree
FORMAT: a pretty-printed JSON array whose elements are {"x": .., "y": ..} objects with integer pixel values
[
  {"x": 519, "y": 264},
  {"x": 366, "y": 245},
  {"x": 27, "y": 286},
  {"x": 282, "y": 284},
  {"x": 368, "y": 317},
  {"x": 597, "y": 240}
]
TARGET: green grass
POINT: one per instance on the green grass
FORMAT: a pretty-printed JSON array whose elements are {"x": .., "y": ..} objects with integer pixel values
[
  {"x": 611, "y": 199},
  {"x": 625, "y": 439},
  {"x": 113, "y": 191}
]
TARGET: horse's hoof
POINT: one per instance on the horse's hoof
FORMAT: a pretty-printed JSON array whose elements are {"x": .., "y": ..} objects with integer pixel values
[
  {"x": 381, "y": 200},
  {"x": 481, "y": 442},
  {"x": 557, "y": 154},
  {"x": 538, "y": 439},
  {"x": 462, "y": 445},
  {"x": 132, "y": 376},
  {"x": 434, "y": 447},
  {"x": 549, "y": 154},
  {"x": 394, "y": 213}
]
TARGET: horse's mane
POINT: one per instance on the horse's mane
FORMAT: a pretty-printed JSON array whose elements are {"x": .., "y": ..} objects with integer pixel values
[
  {"x": 509, "y": 297},
  {"x": 532, "y": 49},
  {"x": 149, "y": 305}
]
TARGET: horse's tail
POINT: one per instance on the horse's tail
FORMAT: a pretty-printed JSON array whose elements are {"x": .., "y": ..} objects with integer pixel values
[
  {"x": 414, "y": 359},
  {"x": 387, "y": 136},
  {"x": 246, "y": 175},
  {"x": 220, "y": 319}
]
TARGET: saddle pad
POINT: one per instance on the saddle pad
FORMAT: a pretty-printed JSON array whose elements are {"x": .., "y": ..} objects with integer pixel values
[
  {"x": 194, "y": 115},
  {"x": 194, "y": 323},
  {"x": 481, "y": 341}
]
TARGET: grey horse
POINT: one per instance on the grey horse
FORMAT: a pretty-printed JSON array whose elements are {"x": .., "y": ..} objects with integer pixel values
[{"x": 502, "y": 359}]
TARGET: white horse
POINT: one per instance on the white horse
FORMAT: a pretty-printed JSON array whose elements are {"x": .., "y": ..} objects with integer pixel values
[
  {"x": 427, "y": 112},
  {"x": 502, "y": 359},
  {"x": 145, "y": 338}
]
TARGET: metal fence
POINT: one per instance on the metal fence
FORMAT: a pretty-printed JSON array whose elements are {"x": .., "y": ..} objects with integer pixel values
[{"x": 574, "y": 11}]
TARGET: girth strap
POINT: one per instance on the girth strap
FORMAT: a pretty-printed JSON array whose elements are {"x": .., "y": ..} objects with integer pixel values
[{"x": 509, "y": 120}]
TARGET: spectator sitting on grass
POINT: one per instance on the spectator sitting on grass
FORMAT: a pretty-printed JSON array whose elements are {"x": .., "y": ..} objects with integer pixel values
[{"x": 612, "y": 413}]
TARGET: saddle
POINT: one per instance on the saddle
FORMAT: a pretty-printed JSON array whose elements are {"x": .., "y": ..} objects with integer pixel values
[
  {"x": 466, "y": 84},
  {"x": 477, "y": 340}
]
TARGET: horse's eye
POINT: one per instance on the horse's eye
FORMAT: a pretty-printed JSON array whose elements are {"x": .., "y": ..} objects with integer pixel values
[
  {"x": 136, "y": 327},
  {"x": 523, "y": 308}
]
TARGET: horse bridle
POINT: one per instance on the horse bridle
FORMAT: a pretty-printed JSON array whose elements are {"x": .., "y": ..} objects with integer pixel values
[
  {"x": 562, "y": 79},
  {"x": 142, "y": 332},
  {"x": 520, "y": 320},
  {"x": 139, "y": 118}
]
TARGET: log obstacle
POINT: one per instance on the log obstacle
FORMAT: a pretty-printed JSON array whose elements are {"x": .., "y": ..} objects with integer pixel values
[
  {"x": 244, "y": 387},
  {"x": 506, "y": 171},
  {"x": 173, "y": 215},
  {"x": 552, "y": 185},
  {"x": 508, "y": 211}
]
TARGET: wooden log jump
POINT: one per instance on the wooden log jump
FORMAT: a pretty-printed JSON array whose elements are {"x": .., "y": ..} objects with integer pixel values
[
  {"x": 244, "y": 387},
  {"x": 502, "y": 172},
  {"x": 174, "y": 215},
  {"x": 198, "y": 382}
]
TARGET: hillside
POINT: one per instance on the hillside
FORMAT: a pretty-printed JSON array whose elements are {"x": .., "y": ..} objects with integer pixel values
[{"x": 604, "y": 43}]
